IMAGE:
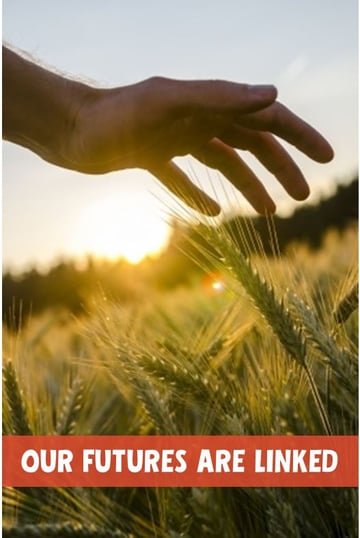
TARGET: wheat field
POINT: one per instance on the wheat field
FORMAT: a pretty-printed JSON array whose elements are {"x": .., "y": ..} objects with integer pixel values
[{"x": 269, "y": 348}]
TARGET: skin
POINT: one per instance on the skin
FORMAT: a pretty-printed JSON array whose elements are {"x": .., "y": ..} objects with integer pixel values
[{"x": 146, "y": 125}]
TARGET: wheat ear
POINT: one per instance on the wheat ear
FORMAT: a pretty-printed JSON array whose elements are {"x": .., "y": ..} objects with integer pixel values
[
  {"x": 338, "y": 359},
  {"x": 71, "y": 408},
  {"x": 19, "y": 420},
  {"x": 347, "y": 305}
]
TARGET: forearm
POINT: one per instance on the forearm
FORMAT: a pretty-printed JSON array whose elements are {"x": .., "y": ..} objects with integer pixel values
[{"x": 39, "y": 107}]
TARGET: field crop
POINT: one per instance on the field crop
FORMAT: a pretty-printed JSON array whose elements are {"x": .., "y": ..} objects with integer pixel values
[{"x": 261, "y": 346}]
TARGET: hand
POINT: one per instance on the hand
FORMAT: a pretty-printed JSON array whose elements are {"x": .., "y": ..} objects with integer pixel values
[{"x": 147, "y": 124}]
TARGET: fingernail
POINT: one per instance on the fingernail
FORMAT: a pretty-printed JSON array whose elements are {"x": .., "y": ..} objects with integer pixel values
[{"x": 264, "y": 91}]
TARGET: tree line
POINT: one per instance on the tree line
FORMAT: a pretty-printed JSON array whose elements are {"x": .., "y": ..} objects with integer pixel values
[{"x": 68, "y": 286}]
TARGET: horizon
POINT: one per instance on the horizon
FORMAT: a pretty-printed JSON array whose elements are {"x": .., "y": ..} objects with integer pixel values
[{"x": 82, "y": 262}]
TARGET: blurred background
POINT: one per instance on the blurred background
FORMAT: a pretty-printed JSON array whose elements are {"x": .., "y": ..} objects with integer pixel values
[{"x": 58, "y": 224}]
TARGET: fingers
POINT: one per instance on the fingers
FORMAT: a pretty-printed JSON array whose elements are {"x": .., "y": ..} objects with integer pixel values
[
  {"x": 202, "y": 114},
  {"x": 178, "y": 183},
  {"x": 282, "y": 122},
  {"x": 188, "y": 97},
  {"x": 218, "y": 155},
  {"x": 272, "y": 155}
]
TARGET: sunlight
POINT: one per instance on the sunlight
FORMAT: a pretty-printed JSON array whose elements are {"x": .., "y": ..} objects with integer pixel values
[
  {"x": 213, "y": 283},
  {"x": 218, "y": 286},
  {"x": 112, "y": 229}
]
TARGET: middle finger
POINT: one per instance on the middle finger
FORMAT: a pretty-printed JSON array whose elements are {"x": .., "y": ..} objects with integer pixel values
[{"x": 272, "y": 155}]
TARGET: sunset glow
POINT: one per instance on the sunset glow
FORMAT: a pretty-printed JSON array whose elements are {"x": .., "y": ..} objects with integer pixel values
[{"x": 111, "y": 229}]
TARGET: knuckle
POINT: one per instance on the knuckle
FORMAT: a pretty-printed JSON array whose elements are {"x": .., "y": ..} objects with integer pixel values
[{"x": 155, "y": 82}]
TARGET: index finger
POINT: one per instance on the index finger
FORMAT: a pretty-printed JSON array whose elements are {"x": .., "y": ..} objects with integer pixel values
[
  {"x": 280, "y": 121},
  {"x": 206, "y": 97}
]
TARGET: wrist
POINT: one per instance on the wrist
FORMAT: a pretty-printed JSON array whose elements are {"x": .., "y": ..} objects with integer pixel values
[
  {"x": 76, "y": 97},
  {"x": 39, "y": 107}
]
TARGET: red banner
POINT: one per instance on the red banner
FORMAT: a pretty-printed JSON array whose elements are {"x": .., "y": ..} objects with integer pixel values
[{"x": 180, "y": 461}]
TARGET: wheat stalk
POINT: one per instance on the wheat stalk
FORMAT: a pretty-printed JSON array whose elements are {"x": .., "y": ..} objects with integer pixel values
[
  {"x": 60, "y": 531},
  {"x": 263, "y": 296}
]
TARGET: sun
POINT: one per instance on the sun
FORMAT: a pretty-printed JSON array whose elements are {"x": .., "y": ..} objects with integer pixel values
[{"x": 111, "y": 228}]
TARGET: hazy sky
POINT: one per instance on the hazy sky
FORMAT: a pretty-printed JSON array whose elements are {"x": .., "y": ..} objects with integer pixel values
[{"x": 307, "y": 48}]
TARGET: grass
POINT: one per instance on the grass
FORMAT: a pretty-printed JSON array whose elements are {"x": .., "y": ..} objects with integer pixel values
[{"x": 273, "y": 352}]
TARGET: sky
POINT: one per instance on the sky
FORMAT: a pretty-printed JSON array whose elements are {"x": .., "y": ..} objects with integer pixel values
[{"x": 308, "y": 49}]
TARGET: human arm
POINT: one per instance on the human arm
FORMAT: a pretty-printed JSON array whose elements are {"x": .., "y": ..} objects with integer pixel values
[
  {"x": 38, "y": 106},
  {"x": 146, "y": 124}
]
